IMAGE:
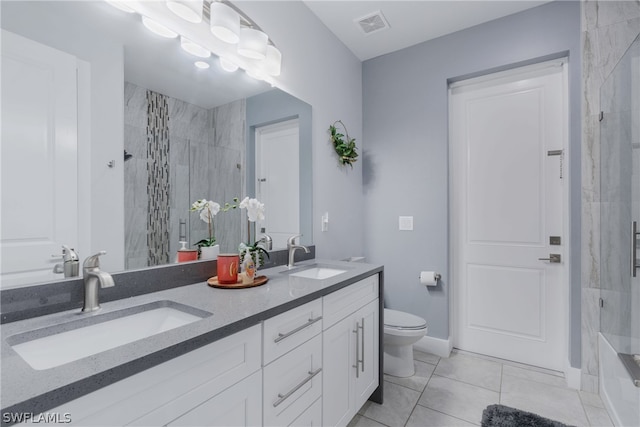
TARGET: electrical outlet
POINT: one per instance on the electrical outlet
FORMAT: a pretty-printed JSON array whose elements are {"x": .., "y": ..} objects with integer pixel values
[{"x": 405, "y": 223}]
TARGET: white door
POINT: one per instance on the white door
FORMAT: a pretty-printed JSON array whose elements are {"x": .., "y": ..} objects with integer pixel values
[
  {"x": 39, "y": 159},
  {"x": 507, "y": 202},
  {"x": 278, "y": 175}
]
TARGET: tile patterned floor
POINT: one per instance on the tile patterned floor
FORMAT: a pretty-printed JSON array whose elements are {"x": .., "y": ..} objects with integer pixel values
[{"x": 454, "y": 391}]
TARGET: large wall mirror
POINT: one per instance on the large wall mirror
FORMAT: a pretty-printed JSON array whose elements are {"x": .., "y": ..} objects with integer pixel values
[{"x": 189, "y": 133}]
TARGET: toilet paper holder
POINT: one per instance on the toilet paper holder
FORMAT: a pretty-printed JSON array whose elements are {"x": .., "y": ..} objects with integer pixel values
[{"x": 429, "y": 278}]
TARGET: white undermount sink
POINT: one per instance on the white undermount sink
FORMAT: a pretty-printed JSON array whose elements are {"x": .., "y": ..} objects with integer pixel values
[
  {"x": 56, "y": 345},
  {"x": 318, "y": 273}
]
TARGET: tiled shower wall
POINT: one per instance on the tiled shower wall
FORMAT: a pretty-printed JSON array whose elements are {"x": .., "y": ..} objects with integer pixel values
[
  {"x": 608, "y": 29},
  {"x": 206, "y": 150}
]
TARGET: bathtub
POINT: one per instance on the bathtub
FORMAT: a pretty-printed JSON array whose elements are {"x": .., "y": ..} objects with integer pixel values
[{"x": 619, "y": 394}]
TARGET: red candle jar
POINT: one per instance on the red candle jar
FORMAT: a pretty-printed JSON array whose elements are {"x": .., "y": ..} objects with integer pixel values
[{"x": 228, "y": 268}]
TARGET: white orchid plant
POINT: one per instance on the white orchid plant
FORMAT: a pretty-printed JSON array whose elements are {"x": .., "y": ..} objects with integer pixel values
[
  {"x": 255, "y": 212},
  {"x": 208, "y": 210}
]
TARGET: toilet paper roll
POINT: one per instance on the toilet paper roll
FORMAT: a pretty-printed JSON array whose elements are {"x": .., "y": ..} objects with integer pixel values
[{"x": 429, "y": 278}]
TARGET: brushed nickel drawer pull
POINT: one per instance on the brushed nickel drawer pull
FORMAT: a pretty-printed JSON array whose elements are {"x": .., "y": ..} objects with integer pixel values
[
  {"x": 298, "y": 329},
  {"x": 283, "y": 397}
]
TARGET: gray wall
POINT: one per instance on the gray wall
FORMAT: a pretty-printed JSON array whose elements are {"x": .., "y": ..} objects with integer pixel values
[{"x": 405, "y": 109}]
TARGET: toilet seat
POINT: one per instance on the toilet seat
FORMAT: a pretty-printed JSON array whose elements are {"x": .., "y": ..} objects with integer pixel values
[{"x": 402, "y": 321}]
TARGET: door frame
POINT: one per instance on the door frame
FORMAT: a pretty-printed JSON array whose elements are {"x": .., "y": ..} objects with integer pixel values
[{"x": 572, "y": 375}]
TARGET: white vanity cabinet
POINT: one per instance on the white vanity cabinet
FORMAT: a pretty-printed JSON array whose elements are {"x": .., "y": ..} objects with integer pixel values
[
  {"x": 313, "y": 365},
  {"x": 218, "y": 384},
  {"x": 350, "y": 350},
  {"x": 293, "y": 366}
]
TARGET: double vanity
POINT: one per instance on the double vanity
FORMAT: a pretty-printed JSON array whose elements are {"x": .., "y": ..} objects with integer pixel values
[{"x": 302, "y": 349}]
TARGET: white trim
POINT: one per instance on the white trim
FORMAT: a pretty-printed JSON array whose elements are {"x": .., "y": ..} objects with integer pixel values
[
  {"x": 573, "y": 376},
  {"x": 436, "y": 346},
  {"x": 508, "y": 74},
  {"x": 84, "y": 157}
]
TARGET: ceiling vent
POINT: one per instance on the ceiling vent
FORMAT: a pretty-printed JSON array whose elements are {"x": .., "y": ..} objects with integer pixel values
[{"x": 372, "y": 23}]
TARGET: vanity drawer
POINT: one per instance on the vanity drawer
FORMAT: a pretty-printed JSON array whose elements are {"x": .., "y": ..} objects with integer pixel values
[
  {"x": 172, "y": 387},
  {"x": 292, "y": 383},
  {"x": 342, "y": 303},
  {"x": 288, "y": 330}
]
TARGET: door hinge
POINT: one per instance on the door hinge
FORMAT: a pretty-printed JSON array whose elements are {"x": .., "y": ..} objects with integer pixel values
[
  {"x": 601, "y": 116},
  {"x": 601, "y": 302}
]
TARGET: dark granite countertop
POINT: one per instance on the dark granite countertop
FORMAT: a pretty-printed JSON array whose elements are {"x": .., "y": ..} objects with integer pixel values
[{"x": 25, "y": 389}]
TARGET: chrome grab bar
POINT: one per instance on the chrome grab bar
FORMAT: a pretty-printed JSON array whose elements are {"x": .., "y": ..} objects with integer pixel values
[
  {"x": 283, "y": 397},
  {"x": 282, "y": 336}
]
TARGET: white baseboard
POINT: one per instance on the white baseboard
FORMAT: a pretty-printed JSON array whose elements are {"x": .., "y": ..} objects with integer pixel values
[
  {"x": 573, "y": 377},
  {"x": 436, "y": 346}
]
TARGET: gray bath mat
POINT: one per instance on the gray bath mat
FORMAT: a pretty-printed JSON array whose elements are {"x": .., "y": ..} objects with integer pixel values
[{"x": 504, "y": 416}]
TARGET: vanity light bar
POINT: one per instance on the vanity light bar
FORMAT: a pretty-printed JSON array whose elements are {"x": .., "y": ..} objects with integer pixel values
[{"x": 257, "y": 55}]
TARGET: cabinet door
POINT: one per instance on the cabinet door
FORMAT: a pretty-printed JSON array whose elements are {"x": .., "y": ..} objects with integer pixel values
[
  {"x": 366, "y": 380},
  {"x": 311, "y": 417},
  {"x": 338, "y": 360},
  {"x": 239, "y": 405}
]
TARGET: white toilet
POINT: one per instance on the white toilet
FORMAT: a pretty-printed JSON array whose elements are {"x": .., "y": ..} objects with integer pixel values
[{"x": 401, "y": 331}]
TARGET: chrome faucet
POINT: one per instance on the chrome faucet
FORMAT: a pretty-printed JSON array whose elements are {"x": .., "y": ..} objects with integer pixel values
[
  {"x": 71, "y": 263},
  {"x": 292, "y": 247},
  {"x": 92, "y": 276},
  {"x": 268, "y": 241}
]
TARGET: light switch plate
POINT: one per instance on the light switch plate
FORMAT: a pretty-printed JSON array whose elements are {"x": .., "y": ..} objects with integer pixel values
[
  {"x": 325, "y": 222},
  {"x": 405, "y": 223}
]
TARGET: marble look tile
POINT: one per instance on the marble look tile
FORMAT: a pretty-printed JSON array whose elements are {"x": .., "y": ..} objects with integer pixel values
[
  {"x": 591, "y": 399},
  {"x": 229, "y": 124},
  {"x": 614, "y": 40},
  {"x": 598, "y": 416},
  {"x": 590, "y": 327},
  {"x": 425, "y": 417},
  {"x": 135, "y": 105},
  {"x": 457, "y": 399},
  {"x": 416, "y": 382},
  {"x": 590, "y": 253},
  {"x": 589, "y": 383},
  {"x": 471, "y": 370},
  {"x": 360, "y": 421},
  {"x": 398, "y": 404},
  {"x": 135, "y": 141},
  {"x": 556, "y": 403},
  {"x": 613, "y": 12},
  {"x": 425, "y": 357},
  {"x": 533, "y": 376},
  {"x": 589, "y": 15},
  {"x": 590, "y": 159}
]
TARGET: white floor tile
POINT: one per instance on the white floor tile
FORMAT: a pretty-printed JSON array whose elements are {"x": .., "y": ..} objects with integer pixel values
[
  {"x": 425, "y": 417},
  {"x": 416, "y": 382},
  {"x": 591, "y": 399},
  {"x": 458, "y": 399},
  {"x": 398, "y": 404},
  {"x": 426, "y": 357},
  {"x": 360, "y": 421},
  {"x": 534, "y": 376},
  {"x": 598, "y": 416},
  {"x": 558, "y": 403},
  {"x": 471, "y": 370}
]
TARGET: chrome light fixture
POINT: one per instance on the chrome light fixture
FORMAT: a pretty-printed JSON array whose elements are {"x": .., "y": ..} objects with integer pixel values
[
  {"x": 228, "y": 65},
  {"x": 224, "y": 22},
  {"x": 158, "y": 29},
  {"x": 273, "y": 61},
  {"x": 189, "y": 10},
  {"x": 252, "y": 43},
  {"x": 193, "y": 48}
]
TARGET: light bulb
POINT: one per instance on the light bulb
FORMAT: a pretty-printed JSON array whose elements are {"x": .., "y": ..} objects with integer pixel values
[{"x": 158, "y": 29}]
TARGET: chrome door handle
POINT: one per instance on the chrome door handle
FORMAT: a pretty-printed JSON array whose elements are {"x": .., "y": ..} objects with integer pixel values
[
  {"x": 357, "y": 365},
  {"x": 634, "y": 248},
  {"x": 362, "y": 345},
  {"x": 283, "y": 397},
  {"x": 553, "y": 258},
  {"x": 298, "y": 329}
]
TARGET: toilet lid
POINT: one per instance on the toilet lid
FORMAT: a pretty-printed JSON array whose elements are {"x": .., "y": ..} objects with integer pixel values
[{"x": 400, "y": 319}]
